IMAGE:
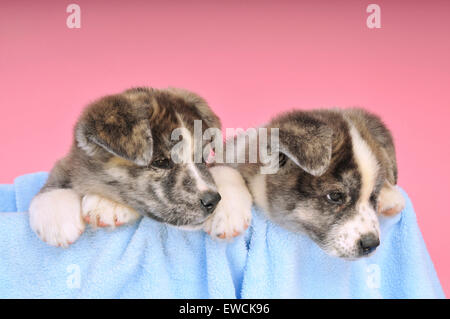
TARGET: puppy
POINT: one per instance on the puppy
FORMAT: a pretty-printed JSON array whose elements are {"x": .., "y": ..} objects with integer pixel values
[
  {"x": 120, "y": 167},
  {"x": 336, "y": 170}
]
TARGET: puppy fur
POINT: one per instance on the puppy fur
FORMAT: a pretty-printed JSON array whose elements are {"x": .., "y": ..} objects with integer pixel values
[
  {"x": 120, "y": 167},
  {"x": 337, "y": 168}
]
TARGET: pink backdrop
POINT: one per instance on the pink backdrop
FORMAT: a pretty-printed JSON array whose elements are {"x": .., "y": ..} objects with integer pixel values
[{"x": 250, "y": 60}]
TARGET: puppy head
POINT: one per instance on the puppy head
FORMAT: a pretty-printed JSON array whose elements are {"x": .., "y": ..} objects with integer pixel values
[
  {"x": 123, "y": 151},
  {"x": 326, "y": 185}
]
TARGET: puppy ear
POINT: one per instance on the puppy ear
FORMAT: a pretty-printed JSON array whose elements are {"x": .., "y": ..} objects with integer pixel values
[
  {"x": 116, "y": 125},
  {"x": 305, "y": 140},
  {"x": 202, "y": 107},
  {"x": 370, "y": 124}
]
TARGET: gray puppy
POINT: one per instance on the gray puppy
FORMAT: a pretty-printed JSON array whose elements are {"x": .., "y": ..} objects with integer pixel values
[
  {"x": 120, "y": 167},
  {"x": 336, "y": 170}
]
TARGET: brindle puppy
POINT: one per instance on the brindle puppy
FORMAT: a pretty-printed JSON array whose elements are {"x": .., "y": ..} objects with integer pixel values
[
  {"x": 120, "y": 167},
  {"x": 337, "y": 168}
]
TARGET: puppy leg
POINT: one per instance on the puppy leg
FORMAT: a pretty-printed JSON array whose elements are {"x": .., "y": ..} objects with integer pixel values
[
  {"x": 55, "y": 216},
  {"x": 103, "y": 212},
  {"x": 233, "y": 214},
  {"x": 390, "y": 200}
]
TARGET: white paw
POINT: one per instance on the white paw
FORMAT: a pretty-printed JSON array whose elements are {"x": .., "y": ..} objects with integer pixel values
[
  {"x": 55, "y": 216},
  {"x": 233, "y": 214},
  {"x": 102, "y": 212},
  {"x": 390, "y": 201}
]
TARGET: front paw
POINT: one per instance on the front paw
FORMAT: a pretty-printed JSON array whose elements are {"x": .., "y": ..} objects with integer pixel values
[
  {"x": 228, "y": 222},
  {"x": 232, "y": 215},
  {"x": 55, "y": 216},
  {"x": 102, "y": 212},
  {"x": 390, "y": 201}
]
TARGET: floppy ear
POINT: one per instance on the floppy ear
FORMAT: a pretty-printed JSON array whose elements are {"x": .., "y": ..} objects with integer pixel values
[
  {"x": 114, "y": 124},
  {"x": 307, "y": 141},
  {"x": 205, "y": 112},
  {"x": 371, "y": 124}
]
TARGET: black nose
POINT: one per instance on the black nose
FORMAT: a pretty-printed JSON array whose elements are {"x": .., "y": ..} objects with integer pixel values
[
  {"x": 209, "y": 201},
  {"x": 368, "y": 243}
]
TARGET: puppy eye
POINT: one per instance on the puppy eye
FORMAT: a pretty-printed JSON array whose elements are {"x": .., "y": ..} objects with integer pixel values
[
  {"x": 162, "y": 163},
  {"x": 336, "y": 198}
]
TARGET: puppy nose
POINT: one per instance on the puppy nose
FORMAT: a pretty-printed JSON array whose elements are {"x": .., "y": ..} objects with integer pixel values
[
  {"x": 209, "y": 201},
  {"x": 368, "y": 243}
]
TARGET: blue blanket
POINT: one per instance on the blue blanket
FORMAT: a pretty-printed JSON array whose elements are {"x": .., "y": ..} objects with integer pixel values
[{"x": 152, "y": 260}]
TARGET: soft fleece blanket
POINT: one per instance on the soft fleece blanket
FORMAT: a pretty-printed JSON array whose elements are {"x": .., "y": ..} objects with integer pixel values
[{"x": 152, "y": 260}]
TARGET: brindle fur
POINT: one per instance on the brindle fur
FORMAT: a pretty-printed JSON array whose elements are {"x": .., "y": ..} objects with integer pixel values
[
  {"x": 116, "y": 140},
  {"x": 320, "y": 143}
]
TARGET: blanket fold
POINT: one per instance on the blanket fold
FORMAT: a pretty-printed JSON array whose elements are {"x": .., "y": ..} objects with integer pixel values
[{"x": 153, "y": 260}]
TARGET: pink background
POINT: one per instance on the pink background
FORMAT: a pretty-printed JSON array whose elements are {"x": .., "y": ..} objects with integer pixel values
[{"x": 250, "y": 60}]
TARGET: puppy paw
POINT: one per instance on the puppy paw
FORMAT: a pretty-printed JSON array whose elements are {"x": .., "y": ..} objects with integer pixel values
[
  {"x": 55, "y": 216},
  {"x": 232, "y": 215},
  {"x": 102, "y": 212},
  {"x": 390, "y": 201}
]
